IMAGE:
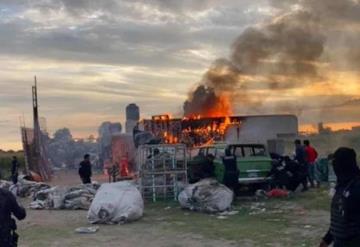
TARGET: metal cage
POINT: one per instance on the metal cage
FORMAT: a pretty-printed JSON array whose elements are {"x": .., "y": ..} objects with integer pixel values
[{"x": 162, "y": 170}]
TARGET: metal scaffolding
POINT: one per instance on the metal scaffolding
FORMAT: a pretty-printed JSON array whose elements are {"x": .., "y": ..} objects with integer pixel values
[
  {"x": 162, "y": 170},
  {"x": 34, "y": 145}
]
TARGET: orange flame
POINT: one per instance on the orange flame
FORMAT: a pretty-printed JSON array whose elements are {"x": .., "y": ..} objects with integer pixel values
[
  {"x": 222, "y": 108},
  {"x": 214, "y": 131},
  {"x": 124, "y": 166}
]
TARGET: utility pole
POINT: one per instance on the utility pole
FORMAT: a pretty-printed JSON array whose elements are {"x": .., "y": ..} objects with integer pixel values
[
  {"x": 25, "y": 143},
  {"x": 36, "y": 143}
]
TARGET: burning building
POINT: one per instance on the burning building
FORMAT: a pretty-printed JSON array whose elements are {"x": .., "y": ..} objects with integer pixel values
[{"x": 197, "y": 131}]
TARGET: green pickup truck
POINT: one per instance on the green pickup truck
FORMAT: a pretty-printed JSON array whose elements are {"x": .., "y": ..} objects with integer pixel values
[{"x": 253, "y": 162}]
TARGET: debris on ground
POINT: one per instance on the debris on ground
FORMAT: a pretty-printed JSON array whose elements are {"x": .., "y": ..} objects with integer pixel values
[
  {"x": 274, "y": 193},
  {"x": 116, "y": 203},
  {"x": 207, "y": 195},
  {"x": 76, "y": 197},
  {"x": 26, "y": 188},
  {"x": 258, "y": 211},
  {"x": 228, "y": 213},
  {"x": 87, "y": 230},
  {"x": 257, "y": 208}
]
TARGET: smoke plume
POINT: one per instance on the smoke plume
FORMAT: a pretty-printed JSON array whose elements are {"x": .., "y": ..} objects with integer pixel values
[{"x": 297, "y": 48}]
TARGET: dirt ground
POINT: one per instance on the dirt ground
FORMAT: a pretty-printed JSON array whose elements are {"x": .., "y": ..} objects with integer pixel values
[{"x": 297, "y": 221}]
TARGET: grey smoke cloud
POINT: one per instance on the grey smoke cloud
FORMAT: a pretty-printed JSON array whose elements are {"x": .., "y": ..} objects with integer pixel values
[{"x": 295, "y": 49}]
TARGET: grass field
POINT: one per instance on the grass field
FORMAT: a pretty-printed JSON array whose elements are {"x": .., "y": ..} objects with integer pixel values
[{"x": 297, "y": 221}]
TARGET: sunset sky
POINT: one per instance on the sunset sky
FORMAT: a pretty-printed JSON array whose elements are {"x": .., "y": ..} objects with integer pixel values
[{"x": 92, "y": 58}]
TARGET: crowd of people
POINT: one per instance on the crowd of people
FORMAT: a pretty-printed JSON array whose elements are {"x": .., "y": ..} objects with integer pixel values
[
  {"x": 301, "y": 169},
  {"x": 305, "y": 156},
  {"x": 290, "y": 173}
]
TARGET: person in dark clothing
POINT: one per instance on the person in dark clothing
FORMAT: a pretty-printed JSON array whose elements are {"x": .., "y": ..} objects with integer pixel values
[
  {"x": 9, "y": 206},
  {"x": 208, "y": 170},
  {"x": 231, "y": 174},
  {"x": 85, "y": 170},
  {"x": 300, "y": 154},
  {"x": 14, "y": 170},
  {"x": 300, "y": 157},
  {"x": 294, "y": 174},
  {"x": 280, "y": 173},
  {"x": 345, "y": 206}
]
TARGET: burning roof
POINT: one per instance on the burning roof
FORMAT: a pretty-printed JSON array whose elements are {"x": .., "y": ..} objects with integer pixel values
[{"x": 193, "y": 131}]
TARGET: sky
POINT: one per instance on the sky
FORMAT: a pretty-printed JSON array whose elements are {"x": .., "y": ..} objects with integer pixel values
[{"x": 92, "y": 58}]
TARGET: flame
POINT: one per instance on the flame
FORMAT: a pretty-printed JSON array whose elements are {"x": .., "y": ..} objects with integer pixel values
[
  {"x": 169, "y": 138},
  {"x": 206, "y": 134},
  {"x": 124, "y": 166},
  {"x": 222, "y": 108},
  {"x": 217, "y": 117}
]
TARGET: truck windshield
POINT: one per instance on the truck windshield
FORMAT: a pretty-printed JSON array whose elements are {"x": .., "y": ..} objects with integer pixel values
[
  {"x": 248, "y": 151},
  {"x": 259, "y": 151}
]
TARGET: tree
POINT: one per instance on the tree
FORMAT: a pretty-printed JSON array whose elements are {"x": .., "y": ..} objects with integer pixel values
[{"x": 63, "y": 135}]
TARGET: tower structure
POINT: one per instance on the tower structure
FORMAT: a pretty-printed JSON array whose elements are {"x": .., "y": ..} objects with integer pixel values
[
  {"x": 132, "y": 117},
  {"x": 33, "y": 143}
]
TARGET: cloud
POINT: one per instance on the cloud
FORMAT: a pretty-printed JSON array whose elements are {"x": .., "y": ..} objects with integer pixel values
[
  {"x": 94, "y": 57},
  {"x": 151, "y": 33}
]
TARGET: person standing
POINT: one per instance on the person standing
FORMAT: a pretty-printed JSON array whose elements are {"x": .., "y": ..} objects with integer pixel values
[
  {"x": 208, "y": 169},
  {"x": 311, "y": 156},
  {"x": 344, "y": 228},
  {"x": 14, "y": 170},
  {"x": 300, "y": 157},
  {"x": 9, "y": 206},
  {"x": 231, "y": 174},
  {"x": 85, "y": 172}
]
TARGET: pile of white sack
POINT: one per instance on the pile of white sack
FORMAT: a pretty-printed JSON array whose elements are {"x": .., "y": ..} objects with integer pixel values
[
  {"x": 207, "y": 195},
  {"x": 26, "y": 188},
  {"x": 5, "y": 184},
  {"x": 116, "y": 203},
  {"x": 77, "y": 197}
]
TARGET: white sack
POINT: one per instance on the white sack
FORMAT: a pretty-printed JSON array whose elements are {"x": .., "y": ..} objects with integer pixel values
[
  {"x": 116, "y": 203},
  {"x": 207, "y": 195},
  {"x": 76, "y": 197},
  {"x": 5, "y": 184}
]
